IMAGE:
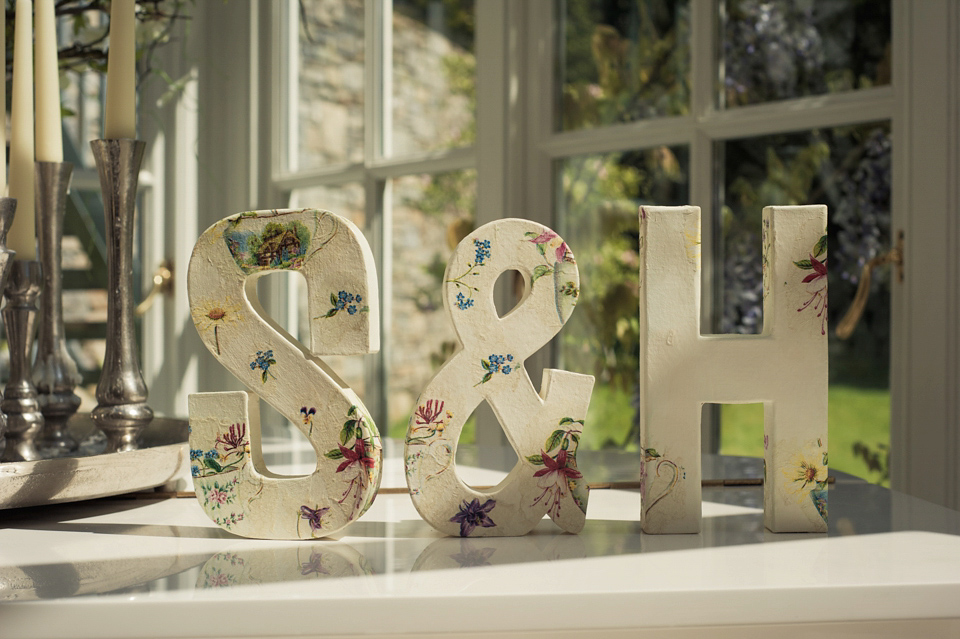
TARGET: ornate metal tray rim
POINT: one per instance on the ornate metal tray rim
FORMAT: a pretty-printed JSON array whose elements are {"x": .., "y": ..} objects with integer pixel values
[{"x": 93, "y": 473}]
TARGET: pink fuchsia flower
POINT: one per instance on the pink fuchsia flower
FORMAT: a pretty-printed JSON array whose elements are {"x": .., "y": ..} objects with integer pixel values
[
  {"x": 558, "y": 466},
  {"x": 819, "y": 270},
  {"x": 356, "y": 455}
]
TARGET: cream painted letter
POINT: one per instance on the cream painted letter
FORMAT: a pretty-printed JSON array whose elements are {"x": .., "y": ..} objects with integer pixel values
[
  {"x": 233, "y": 486},
  {"x": 784, "y": 367}
]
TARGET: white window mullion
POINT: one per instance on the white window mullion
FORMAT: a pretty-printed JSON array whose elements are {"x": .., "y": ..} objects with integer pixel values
[
  {"x": 802, "y": 114},
  {"x": 541, "y": 25},
  {"x": 377, "y": 123},
  {"x": 642, "y": 134},
  {"x": 290, "y": 85},
  {"x": 378, "y": 83},
  {"x": 702, "y": 171}
]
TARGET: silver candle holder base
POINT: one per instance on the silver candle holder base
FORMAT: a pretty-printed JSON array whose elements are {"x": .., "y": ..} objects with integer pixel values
[
  {"x": 20, "y": 402},
  {"x": 8, "y": 207},
  {"x": 55, "y": 374},
  {"x": 122, "y": 411}
]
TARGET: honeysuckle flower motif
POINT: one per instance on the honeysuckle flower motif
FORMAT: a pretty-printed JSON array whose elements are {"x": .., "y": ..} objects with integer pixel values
[
  {"x": 313, "y": 516},
  {"x": 427, "y": 414},
  {"x": 429, "y": 421},
  {"x": 233, "y": 440},
  {"x": 473, "y": 514}
]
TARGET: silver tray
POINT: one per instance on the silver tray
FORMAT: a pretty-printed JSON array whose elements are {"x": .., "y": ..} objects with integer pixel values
[{"x": 91, "y": 473}]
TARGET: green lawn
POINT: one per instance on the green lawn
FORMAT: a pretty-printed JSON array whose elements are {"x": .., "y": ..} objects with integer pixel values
[{"x": 855, "y": 414}]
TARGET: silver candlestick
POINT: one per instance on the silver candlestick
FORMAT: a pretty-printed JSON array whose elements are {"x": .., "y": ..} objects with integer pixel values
[
  {"x": 8, "y": 206},
  {"x": 122, "y": 410},
  {"x": 55, "y": 373},
  {"x": 24, "y": 419}
]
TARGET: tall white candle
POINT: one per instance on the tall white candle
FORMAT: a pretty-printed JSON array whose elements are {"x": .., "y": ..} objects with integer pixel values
[
  {"x": 3, "y": 102},
  {"x": 49, "y": 132},
  {"x": 23, "y": 232},
  {"x": 121, "y": 116}
]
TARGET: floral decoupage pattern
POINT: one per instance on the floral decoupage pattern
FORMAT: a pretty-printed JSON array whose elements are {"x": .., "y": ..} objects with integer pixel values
[
  {"x": 332, "y": 255},
  {"x": 815, "y": 279},
  {"x": 804, "y": 477},
  {"x": 545, "y": 428},
  {"x": 288, "y": 564},
  {"x": 784, "y": 368}
]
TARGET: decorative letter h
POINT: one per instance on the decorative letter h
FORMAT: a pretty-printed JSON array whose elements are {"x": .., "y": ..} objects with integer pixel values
[{"x": 784, "y": 367}]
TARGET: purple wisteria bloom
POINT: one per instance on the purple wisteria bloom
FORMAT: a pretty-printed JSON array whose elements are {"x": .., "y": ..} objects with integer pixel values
[{"x": 472, "y": 514}]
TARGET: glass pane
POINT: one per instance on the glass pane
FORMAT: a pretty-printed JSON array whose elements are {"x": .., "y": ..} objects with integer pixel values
[
  {"x": 81, "y": 95},
  {"x": 779, "y": 49},
  {"x": 327, "y": 127},
  {"x": 434, "y": 75},
  {"x": 848, "y": 169},
  {"x": 622, "y": 61},
  {"x": 598, "y": 217},
  {"x": 346, "y": 200},
  {"x": 431, "y": 214}
]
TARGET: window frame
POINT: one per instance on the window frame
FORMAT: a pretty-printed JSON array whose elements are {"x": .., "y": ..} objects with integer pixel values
[{"x": 514, "y": 161}]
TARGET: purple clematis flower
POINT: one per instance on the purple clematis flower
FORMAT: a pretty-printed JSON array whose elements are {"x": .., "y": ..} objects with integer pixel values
[
  {"x": 315, "y": 517},
  {"x": 474, "y": 514}
]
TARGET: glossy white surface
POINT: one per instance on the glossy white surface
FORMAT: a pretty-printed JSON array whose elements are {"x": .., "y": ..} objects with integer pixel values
[{"x": 136, "y": 568}]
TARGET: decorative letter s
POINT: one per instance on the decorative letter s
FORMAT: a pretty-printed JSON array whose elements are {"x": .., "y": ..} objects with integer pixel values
[{"x": 232, "y": 484}]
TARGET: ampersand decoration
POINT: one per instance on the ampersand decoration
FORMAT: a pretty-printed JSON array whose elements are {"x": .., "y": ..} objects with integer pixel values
[
  {"x": 544, "y": 429},
  {"x": 232, "y": 483}
]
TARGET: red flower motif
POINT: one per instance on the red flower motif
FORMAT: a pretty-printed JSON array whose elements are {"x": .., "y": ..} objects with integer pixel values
[
  {"x": 358, "y": 454},
  {"x": 235, "y": 439},
  {"x": 426, "y": 414},
  {"x": 819, "y": 270},
  {"x": 558, "y": 465},
  {"x": 544, "y": 237}
]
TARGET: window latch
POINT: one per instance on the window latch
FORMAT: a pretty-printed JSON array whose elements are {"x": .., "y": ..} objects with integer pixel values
[{"x": 162, "y": 283}]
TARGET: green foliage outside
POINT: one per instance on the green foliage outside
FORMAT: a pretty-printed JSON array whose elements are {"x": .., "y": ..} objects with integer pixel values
[{"x": 857, "y": 416}]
